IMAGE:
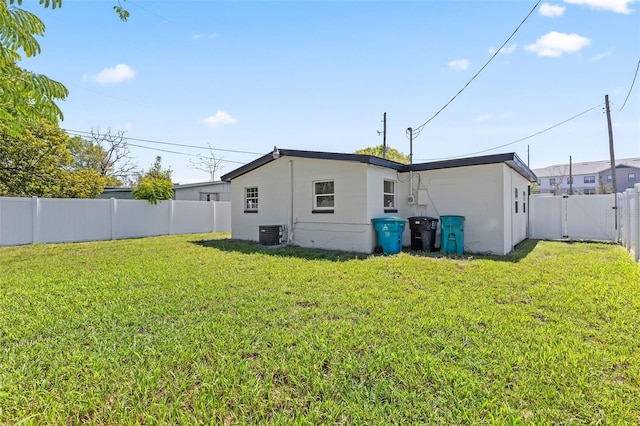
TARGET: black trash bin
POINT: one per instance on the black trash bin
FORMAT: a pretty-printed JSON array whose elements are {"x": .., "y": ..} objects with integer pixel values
[{"x": 423, "y": 233}]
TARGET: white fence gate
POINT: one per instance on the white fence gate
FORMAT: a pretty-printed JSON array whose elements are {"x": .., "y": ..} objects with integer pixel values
[
  {"x": 579, "y": 217},
  {"x": 629, "y": 208},
  {"x": 56, "y": 220}
]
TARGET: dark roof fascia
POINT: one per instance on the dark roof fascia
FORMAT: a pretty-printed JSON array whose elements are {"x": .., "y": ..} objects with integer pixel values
[
  {"x": 359, "y": 158},
  {"x": 511, "y": 159}
]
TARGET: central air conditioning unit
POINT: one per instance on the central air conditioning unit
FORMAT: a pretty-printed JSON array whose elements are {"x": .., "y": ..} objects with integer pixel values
[{"x": 272, "y": 235}]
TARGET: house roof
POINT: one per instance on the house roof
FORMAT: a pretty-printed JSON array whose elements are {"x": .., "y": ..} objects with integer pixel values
[
  {"x": 586, "y": 168},
  {"x": 199, "y": 184},
  {"x": 511, "y": 159}
]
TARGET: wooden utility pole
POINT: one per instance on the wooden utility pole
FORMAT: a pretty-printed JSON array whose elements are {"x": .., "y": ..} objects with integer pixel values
[
  {"x": 384, "y": 135},
  {"x": 613, "y": 161}
]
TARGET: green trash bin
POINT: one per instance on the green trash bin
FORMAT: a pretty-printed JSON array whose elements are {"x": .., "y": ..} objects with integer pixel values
[
  {"x": 452, "y": 234},
  {"x": 389, "y": 230}
]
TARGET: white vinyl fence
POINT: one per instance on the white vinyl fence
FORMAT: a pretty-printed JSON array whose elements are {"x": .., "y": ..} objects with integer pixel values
[
  {"x": 629, "y": 208},
  {"x": 588, "y": 217},
  {"x": 55, "y": 220}
]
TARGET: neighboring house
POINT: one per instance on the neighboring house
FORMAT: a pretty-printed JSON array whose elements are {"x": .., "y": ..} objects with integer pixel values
[
  {"x": 202, "y": 191},
  {"x": 327, "y": 200},
  {"x": 588, "y": 176}
]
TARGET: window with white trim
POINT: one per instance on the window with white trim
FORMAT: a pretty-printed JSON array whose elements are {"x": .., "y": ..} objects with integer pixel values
[
  {"x": 323, "y": 196},
  {"x": 632, "y": 177},
  {"x": 389, "y": 196},
  {"x": 608, "y": 178},
  {"x": 589, "y": 179},
  {"x": 251, "y": 199}
]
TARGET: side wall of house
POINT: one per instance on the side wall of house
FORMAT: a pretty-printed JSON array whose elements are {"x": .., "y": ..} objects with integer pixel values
[
  {"x": 516, "y": 207},
  {"x": 475, "y": 192},
  {"x": 285, "y": 191}
]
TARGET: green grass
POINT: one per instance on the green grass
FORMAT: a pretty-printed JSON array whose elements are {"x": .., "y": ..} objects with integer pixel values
[{"x": 183, "y": 330}]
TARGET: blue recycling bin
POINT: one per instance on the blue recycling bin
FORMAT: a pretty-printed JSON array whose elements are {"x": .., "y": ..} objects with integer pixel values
[
  {"x": 452, "y": 234},
  {"x": 389, "y": 230}
]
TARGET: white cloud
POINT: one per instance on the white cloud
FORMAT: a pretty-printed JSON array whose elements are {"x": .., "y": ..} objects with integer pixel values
[
  {"x": 482, "y": 118},
  {"x": 507, "y": 50},
  {"x": 459, "y": 64},
  {"x": 198, "y": 36},
  {"x": 555, "y": 44},
  {"x": 551, "y": 10},
  {"x": 602, "y": 55},
  {"x": 117, "y": 74},
  {"x": 617, "y": 6},
  {"x": 218, "y": 119}
]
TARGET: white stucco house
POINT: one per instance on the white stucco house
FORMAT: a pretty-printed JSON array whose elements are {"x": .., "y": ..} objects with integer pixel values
[{"x": 327, "y": 200}]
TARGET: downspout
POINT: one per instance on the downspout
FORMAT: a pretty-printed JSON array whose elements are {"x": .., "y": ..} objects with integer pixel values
[{"x": 290, "y": 230}]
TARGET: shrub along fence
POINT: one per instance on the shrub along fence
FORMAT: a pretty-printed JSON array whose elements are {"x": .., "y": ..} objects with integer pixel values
[{"x": 55, "y": 220}]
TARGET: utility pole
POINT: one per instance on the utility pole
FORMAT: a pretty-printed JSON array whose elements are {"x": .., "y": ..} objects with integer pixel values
[
  {"x": 570, "y": 177},
  {"x": 410, "y": 130},
  {"x": 528, "y": 155},
  {"x": 613, "y": 162},
  {"x": 384, "y": 135}
]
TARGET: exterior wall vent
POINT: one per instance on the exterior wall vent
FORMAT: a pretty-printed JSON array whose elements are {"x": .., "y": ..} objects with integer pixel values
[{"x": 271, "y": 235}]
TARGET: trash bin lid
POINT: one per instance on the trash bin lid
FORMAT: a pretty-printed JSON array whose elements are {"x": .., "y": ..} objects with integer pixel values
[{"x": 388, "y": 219}]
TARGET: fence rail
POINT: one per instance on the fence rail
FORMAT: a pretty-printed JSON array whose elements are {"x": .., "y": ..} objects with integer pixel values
[{"x": 55, "y": 220}]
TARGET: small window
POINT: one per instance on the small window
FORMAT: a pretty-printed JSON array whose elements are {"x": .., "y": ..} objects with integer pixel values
[
  {"x": 524, "y": 207},
  {"x": 516, "y": 207},
  {"x": 608, "y": 178},
  {"x": 632, "y": 177},
  {"x": 389, "y": 191},
  {"x": 552, "y": 181},
  {"x": 323, "y": 196},
  {"x": 516, "y": 193},
  {"x": 589, "y": 179},
  {"x": 251, "y": 199}
]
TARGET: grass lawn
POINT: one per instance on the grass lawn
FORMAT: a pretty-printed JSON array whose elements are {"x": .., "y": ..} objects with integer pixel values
[{"x": 198, "y": 329}]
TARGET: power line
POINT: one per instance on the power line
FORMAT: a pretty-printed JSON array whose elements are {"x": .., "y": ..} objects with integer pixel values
[
  {"x": 80, "y": 133},
  {"x": 176, "y": 152},
  {"x": 631, "y": 88},
  {"x": 516, "y": 141},
  {"x": 417, "y": 130}
]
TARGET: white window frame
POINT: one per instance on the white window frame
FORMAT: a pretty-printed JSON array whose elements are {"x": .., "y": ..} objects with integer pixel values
[
  {"x": 392, "y": 207},
  {"x": 251, "y": 199},
  {"x": 589, "y": 179},
  {"x": 632, "y": 177},
  {"x": 317, "y": 207}
]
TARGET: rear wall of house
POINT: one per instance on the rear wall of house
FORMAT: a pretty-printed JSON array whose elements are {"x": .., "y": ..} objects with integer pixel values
[
  {"x": 475, "y": 192},
  {"x": 285, "y": 188}
]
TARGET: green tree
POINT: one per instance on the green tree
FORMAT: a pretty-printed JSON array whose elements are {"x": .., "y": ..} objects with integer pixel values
[
  {"x": 37, "y": 162},
  {"x": 26, "y": 97},
  {"x": 392, "y": 153},
  {"x": 155, "y": 185}
]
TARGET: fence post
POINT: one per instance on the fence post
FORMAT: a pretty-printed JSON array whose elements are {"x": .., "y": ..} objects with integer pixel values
[
  {"x": 213, "y": 216},
  {"x": 636, "y": 211},
  {"x": 35, "y": 207},
  {"x": 170, "y": 217},
  {"x": 114, "y": 212}
]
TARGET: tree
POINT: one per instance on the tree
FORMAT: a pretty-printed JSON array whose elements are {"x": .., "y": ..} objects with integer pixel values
[
  {"x": 107, "y": 153},
  {"x": 37, "y": 162},
  {"x": 26, "y": 97},
  {"x": 155, "y": 185},
  {"x": 392, "y": 153},
  {"x": 210, "y": 164}
]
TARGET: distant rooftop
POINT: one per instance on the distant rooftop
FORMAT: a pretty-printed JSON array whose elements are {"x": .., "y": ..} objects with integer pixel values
[{"x": 585, "y": 168}]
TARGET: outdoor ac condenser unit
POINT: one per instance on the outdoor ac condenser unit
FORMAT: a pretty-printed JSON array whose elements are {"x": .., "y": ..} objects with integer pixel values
[{"x": 272, "y": 235}]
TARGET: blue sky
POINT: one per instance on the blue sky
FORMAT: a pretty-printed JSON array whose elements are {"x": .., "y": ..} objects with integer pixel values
[{"x": 318, "y": 75}]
